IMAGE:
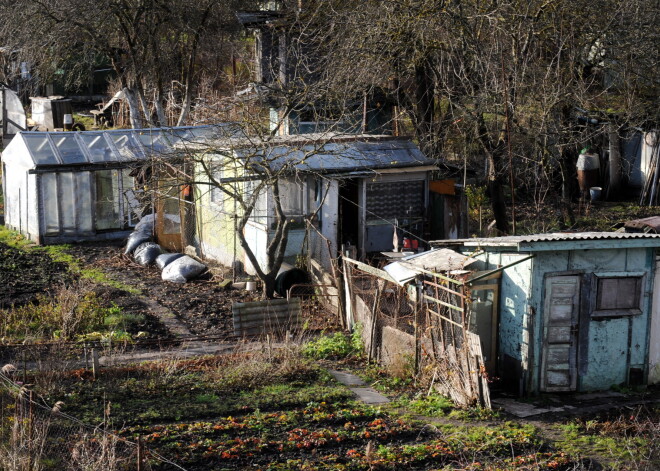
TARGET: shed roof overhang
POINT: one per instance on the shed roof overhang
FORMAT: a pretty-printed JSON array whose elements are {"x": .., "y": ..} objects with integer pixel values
[{"x": 559, "y": 241}]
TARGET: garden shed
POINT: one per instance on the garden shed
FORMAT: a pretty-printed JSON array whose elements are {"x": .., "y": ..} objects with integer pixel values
[
  {"x": 357, "y": 187},
  {"x": 71, "y": 186},
  {"x": 577, "y": 311}
]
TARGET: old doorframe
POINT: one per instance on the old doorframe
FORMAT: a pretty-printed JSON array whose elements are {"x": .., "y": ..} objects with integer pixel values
[{"x": 576, "y": 329}]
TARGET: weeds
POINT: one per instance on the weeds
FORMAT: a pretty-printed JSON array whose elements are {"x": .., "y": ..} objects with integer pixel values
[
  {"x": 336, "y": 346},
  {"x": 75, "y": 312}
]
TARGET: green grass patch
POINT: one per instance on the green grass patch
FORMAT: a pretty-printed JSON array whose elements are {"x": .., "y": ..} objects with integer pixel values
[
  {"x": 72, "y": 314},
  {"x": 617, "y": 445},
  {"x": 335, "y": 346},
  {"x": 432, "y": 405},
  {"x": 59, "y": 253}
]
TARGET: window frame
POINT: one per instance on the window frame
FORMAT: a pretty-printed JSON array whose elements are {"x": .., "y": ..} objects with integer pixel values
[{"x": 597, "y": 312}]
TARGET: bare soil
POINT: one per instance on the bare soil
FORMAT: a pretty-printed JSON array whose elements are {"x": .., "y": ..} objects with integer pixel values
[
  {"x": 201, "y": 305},
  {"x": 25, "y": 275}
]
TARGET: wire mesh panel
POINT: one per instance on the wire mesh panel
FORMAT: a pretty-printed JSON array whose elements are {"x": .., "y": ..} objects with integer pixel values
[
  {"x": 33, "y": 433},
  {"x": 318, "y": 302}
]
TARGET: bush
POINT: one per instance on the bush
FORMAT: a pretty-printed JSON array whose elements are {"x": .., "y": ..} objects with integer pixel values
[{"x": 335, "y": 346}]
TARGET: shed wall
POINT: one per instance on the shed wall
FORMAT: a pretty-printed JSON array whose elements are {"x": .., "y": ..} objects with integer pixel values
[
  {"x": 515, "y": 322},
  {"x": 654, "y": 336},
  {"x": 614, "y": 345}
]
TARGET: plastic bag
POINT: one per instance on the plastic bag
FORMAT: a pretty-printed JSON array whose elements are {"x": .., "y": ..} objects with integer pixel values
[
  {"x": 165, "y": 259},
  {"x": 183, "y": 269},
  {"x": 147, "y": 253},
  {"x": 146, "y": 224},
  {"x": 136, "y": 239}
]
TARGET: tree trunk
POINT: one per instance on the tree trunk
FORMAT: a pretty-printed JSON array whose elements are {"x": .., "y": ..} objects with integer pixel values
[
  {"x": 268, "y": 290},
  {"x": 133, "y": 108},
  {"x": 145, "y": 107},
  {"x": 425, "y": 103},
  {"x": 498, "y": 204},
  {"x": 160, "y": 110},
  {"x": 614, "y": 186}
]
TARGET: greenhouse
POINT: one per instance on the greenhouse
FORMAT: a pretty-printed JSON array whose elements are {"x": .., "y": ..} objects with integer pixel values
[{"x": 64, "y": 187}]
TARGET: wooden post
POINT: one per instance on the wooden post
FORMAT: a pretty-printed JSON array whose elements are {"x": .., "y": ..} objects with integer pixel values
[
  {"x": 95, "y": 363},
  {"x": 139, "y": 453},
  {"x": 24, "y": 368},
  {"x": 418, "y": 306},
  {"x": 374, "y": 321}
]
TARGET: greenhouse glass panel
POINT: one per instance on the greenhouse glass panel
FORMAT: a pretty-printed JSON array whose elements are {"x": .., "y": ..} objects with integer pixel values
[
  {"x": 49, "y": 203},
  {"x": 182, "y": 134},
  {"x": 84, "y": 201},
  {"x": 40, "y": 148},
  {"x": 107, "y": 200},
  {"x": 67, "y": 146},
  {"x": 97, "y": 147},
  {"x": 67, "y": 195},
  {"x": 132, "y": 206},
  {"x": 126, "y": 145},
  {"x": 171, "y": 202},
  {"x": 14, "y": 112},
  {"x": 155, "y": 141}
]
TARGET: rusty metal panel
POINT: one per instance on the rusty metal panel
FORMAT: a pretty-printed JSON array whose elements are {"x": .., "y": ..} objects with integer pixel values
[{"x": 650, "y": 224}]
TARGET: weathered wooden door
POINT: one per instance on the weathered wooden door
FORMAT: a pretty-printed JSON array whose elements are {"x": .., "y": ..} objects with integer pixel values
[
  {"x": 168, "y": 220},
  {"x": 560, "y": 329}
]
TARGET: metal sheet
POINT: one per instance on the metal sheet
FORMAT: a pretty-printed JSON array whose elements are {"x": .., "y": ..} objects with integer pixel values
[{"x": 650, "y": 224}]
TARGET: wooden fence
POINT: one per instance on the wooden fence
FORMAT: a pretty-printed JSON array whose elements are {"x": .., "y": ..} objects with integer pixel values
[{"x": 434, "y": 311}]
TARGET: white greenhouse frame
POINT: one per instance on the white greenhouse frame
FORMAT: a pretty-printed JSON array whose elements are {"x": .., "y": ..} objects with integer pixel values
[{"x": 62, "y": 187}]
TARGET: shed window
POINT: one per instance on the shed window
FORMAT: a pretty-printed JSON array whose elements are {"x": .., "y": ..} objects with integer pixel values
[
  {"x": 291, "y": 197},
  {"x": 618, "y": 296},
  {"x": 260, "y": 210}
]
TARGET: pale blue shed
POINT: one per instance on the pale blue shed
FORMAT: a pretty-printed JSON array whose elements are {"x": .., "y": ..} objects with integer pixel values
[{"x": 577, "y": 311}]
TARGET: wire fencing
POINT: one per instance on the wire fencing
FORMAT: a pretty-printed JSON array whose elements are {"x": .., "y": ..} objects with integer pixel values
[{"x": 35, "y": 435}]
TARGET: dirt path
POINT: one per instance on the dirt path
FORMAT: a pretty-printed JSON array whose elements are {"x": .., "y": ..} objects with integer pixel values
[{"x": 201, "y": 307}]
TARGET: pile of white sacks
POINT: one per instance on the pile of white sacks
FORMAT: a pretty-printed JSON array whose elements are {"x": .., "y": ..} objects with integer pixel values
[{"x": 176, "y": 267}]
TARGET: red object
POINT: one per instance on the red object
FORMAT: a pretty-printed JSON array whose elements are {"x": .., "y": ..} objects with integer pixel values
[{"x": 410, "y": 243}]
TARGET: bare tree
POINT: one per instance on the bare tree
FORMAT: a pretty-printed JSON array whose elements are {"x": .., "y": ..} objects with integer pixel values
[
  {"x": 504, "y": 81},
  {"x": 150, "y": 44}
]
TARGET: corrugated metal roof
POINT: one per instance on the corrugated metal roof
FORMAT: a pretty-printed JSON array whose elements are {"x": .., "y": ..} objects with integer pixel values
[
  {"x": 582, "y": 240},
  {"x": 338, "y": 156}
]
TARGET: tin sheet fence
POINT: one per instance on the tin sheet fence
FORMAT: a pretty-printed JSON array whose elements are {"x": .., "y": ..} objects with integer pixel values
[
  {"x": 433, "y": 314},
  {"x": 276, "y": 317}
]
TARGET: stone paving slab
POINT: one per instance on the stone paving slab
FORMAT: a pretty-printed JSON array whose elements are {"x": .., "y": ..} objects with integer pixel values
[
  {"x": 359, "y": 388},
  {"x": 524, "y": 409},
  {"x": 369, "y": 396},
  {"x": 347, "y": 379}
]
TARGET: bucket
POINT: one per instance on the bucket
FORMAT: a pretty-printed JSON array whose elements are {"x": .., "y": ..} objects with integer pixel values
[
  {"x": 251, "y": 286},
  {"x": 595, "y": 193},
  {"x": 68, "y": 121}
]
